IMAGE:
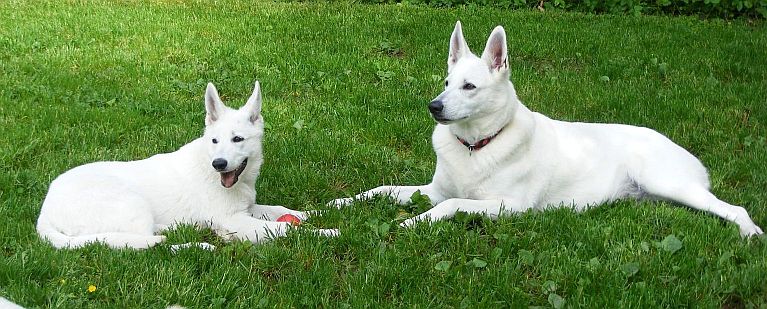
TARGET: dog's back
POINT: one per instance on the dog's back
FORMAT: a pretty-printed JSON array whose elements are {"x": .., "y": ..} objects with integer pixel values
[{"x": 595, "y": 163}]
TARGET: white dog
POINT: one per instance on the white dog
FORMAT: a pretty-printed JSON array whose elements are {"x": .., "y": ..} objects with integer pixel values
[
  {"x": 494, "y": 155},
  {"x": 208, "y": 182}
]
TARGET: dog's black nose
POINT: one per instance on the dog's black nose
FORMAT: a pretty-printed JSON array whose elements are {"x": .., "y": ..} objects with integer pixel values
[
  {"x": 219, "y": 164},
  {"x": 436, "y": 106}
]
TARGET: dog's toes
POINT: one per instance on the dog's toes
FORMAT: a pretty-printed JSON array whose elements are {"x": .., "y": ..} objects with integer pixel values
[
  {"x": 409, "y": 222},
  {"x": 751, "y": 230},
  {"x": 341, "y": 202},
  {"x": 424, "y": 217},
  {"x": 201, "y": 245},
  {"x": 206, "y": 246}
]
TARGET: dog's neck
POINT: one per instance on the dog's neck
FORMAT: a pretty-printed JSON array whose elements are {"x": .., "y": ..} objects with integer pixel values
[
  {"x": 479, "y": 144},
  {"x": 488, "y": 125}
]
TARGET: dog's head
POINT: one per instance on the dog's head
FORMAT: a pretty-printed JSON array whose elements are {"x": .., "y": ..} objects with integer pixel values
[
  {"x": 475, "y": 86},
  {"x": 233, "y": 136}
]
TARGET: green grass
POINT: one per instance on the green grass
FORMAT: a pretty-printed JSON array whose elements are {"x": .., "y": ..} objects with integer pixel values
[{"x": 84, "y": 81}]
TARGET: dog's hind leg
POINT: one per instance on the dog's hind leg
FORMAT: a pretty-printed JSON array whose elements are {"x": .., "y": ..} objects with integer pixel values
[
  {"x": 678, "y": 176},
  {"x": 114, "y": 240},
  {"x": 698, "y": 197},
  {"x": 448, "y": 208},
  {"x": 73, "y": 220},
  {"x": 665, "y": 170},
  {"x": 123, "y": 240},
  {"x": 401, "y": 194}
]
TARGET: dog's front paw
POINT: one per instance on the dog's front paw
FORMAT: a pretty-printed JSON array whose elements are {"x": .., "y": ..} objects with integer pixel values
[
  {"x": 328, "y": 232},
  {"x": 414, "y": 220},
  {"x": 303, "y": 215},
  {"x": 341, "y": 202},
  {"x": 201, "y": 245},
  {"x": 747, "y": 226},
  {"x": 748, "y": 230}
]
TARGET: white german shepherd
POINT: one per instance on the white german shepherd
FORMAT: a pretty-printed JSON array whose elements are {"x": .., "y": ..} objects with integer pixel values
[
  {"x": 494, "y": 155},
  {"x": 208, "y": 182}
]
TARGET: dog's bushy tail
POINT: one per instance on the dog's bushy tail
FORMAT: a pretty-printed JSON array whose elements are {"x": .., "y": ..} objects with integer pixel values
[
  {"x": 114, "y": 240},
  {"x": 7, "y": 304}
]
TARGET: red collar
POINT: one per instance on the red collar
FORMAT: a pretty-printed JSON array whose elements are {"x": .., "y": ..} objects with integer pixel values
[{"x": 479, "y": 144}]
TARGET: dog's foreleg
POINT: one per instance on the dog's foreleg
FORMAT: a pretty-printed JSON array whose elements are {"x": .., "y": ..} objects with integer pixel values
[
  {"x": 271, "y": 213},
  {"x": 245, "y": 227},
  {"x": 448, "y": 208},
  {"x": 401, "y": 194}
]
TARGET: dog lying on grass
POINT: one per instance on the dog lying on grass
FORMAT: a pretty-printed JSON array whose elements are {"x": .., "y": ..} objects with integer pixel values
[
  {"x": 209, "y": 182},
  {"x": 495, "y": 156}
]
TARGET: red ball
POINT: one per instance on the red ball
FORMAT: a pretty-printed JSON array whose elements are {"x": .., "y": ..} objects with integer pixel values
[{"x": 289, "y": 218}]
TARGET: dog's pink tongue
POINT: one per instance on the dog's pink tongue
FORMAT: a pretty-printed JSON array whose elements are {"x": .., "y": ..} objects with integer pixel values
[{"x": 228, "y": 179}]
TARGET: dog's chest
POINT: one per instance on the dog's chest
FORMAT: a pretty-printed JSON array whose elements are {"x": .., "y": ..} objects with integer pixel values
[
  {"x": 483, "y": 173},
  {"x": 471, "y": 175}
]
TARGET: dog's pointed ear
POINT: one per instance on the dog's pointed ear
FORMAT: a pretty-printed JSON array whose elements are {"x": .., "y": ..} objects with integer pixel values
[
  {"x": 496, "y": 55},
  {"x": 458, "y": 46},
  {"x": 213, "y": 105},
  {"x": 253, "y": 106}
]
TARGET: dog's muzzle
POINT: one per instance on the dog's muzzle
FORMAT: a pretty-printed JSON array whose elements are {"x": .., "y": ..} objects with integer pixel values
[
  {"x": 228, "y": 179},
  {"x": 435, "y": 108}
]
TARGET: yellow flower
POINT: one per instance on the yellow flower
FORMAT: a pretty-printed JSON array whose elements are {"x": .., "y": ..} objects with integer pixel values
[{"x": 91, "y": 288}]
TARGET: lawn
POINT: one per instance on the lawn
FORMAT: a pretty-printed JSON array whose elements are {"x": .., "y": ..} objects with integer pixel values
[{"x": 345, "y": 93}]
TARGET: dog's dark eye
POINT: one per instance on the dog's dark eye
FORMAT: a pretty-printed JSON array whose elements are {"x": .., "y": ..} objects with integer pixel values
[
  {"x": 215, "y": 141},
  {"x": 237, "y": 139},
  {"x": 469, "y": 86},
  {"x": 446, "y": 84}
]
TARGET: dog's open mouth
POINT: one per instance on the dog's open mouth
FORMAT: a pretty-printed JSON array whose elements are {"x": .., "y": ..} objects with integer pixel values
[{"x": 228, "y": 179}]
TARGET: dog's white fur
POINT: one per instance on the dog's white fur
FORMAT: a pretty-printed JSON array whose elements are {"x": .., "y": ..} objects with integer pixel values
[
  {"x": 124, "y": 204},
  {"x": 7, "y": 304},
  {"x": 535, "y": 162}
]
